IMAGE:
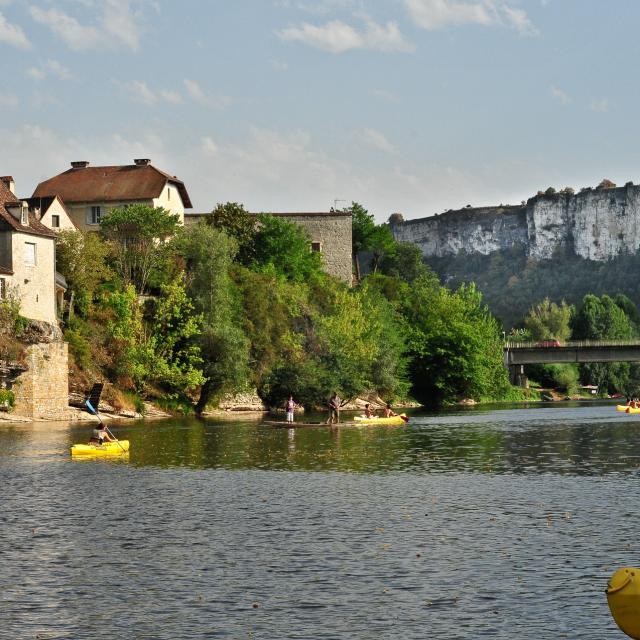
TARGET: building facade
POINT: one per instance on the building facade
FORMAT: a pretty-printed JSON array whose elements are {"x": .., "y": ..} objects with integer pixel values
[{"x": 27, "y": 258}]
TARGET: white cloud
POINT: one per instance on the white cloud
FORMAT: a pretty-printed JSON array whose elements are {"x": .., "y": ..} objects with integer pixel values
[
  {"x": 119, "y": 23},
  {"x": 439, "y": 14},
  {"x": 376, "y": 139},
  {"x": 140, "y": 92},
  {"x": 8, "y": 101},
  {"x": 50, "y": 68},
  {"x": 173, "y": 97},
  {"x": 384, "y": 95},
  {"x": 559, "y": 94},
  {"x": 116, "y": 26},
  {"x": 198, "y": 95},
  {"x": 337, "y": 36},
  {"x": 208, "y": 146},
  {"x": 600, "y": 105},
  {"x": 12, "y": 34}
]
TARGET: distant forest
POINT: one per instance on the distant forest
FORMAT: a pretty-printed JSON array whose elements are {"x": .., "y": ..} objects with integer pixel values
[{"x": 512, "y": 283}]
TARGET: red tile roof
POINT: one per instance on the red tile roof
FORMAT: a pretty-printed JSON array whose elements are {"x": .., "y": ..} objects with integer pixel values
[{"x": 111, "y": 184}]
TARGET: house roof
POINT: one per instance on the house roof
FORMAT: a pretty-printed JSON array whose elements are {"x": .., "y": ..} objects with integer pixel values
[
  {"x": 43, "y": 203},
  {"x": 35, "y": 227},
  {"x": 110, "y": 184}
]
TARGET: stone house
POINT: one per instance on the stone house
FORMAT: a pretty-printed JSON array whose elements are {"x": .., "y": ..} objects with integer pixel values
[
  {"x": 89, "y": 193},
  {"x": 27, "y": 257},
  {"x": 329, "y": 233}
]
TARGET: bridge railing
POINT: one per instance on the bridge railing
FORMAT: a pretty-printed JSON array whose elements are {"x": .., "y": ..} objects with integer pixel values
[{"x": 545, "y": 344}]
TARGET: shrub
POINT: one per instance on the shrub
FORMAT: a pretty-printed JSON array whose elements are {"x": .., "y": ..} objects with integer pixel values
[{"x": 7, "y": 400}]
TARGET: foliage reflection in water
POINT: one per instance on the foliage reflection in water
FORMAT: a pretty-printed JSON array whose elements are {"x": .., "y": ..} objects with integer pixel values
[{"x": 496, "y": 524}]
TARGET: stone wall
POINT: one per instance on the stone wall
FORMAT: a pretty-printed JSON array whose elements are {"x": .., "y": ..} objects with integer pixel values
[
  {"x": 333, "y": 231},
  {"x": 42, "y": 392},
  {"x": 596, "y": 224}
]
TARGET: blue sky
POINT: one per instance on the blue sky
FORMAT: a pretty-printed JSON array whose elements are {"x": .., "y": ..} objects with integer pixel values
[{"x": 415, "y": 106}]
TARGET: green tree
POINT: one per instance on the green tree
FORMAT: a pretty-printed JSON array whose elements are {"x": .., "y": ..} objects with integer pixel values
[
  {"x": 139, "y": 232},
  {"x": 455, "y": 345},
  {"x": 381, "y": 244},
  {"x": 208, "y": 254},
  {"x": 82, "y": 258},
  {"x": 239, "y": 224},
  {"x": 175, "y": 360},
  {"x": 548, "y": 320},
  {"x": 363, "y": 228},
  {"x": 602, "y": 319},
  {"x": 405, "y": 261},
  {"x": 285, "y": 247}
]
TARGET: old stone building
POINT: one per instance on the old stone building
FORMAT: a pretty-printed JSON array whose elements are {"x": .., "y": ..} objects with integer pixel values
[
  {"x": 329, "y": 233},
  {"x": 89, "y": 193}
]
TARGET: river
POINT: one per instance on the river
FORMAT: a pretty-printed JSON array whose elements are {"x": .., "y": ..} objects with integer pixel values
[{"x": 496, "y": 523}]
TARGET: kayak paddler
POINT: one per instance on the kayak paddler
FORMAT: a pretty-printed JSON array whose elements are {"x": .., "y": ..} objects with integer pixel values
[{"x": 100, "y": 435}]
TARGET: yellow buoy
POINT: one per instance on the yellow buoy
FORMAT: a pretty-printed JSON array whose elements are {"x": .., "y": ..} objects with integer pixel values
[{"x": 623, "y": 596}]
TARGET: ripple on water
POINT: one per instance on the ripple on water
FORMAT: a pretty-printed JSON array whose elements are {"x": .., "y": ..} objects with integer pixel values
[{"x": 497, "y": 524}]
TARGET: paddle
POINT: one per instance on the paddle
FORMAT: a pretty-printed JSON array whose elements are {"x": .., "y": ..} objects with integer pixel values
[{"x": 104, "y": 426}]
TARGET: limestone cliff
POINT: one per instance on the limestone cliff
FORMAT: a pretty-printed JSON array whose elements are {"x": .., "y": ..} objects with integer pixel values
[{"x": 595, "y": 224}]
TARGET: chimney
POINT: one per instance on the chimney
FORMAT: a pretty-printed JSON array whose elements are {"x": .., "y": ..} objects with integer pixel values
[
  {"x": 141, "y": 162},
  {"x": 9, "y": 183},
  {"x": 80, "y": 164}
]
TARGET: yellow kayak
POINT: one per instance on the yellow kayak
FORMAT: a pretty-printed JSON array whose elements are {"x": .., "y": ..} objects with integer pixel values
[
  {"x": 623, "y": 407},
  {"x": 106, "y": 449},
  {"x": 401, "y": 419},
  {"x": 623, "y": 596}
]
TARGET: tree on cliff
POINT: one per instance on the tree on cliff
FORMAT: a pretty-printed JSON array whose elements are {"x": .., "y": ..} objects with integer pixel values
[
  {"x": 285, "y": 247},
  {"x": 208, "y": 254},
  {"x": 239, "y": 224}
]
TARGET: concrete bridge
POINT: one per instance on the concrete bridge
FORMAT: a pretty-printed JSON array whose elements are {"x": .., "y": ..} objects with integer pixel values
[{"x": 517, "y": 354}]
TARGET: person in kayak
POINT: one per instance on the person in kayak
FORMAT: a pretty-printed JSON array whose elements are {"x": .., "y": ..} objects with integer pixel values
[
  {"x": 100, "y": 435},
  {"x": 367, "y": 411},
  {"x": 388, "y": 412},
  {"x": 291, "y": 407}
]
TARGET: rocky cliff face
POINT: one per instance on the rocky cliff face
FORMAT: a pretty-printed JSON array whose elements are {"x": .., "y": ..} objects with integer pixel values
[{"x": 596, "y": 224}]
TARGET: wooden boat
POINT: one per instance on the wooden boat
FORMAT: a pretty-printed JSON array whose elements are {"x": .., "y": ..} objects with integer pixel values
[
  {"x": 626, "y": 409},
  {"x": 106, "y": 449},
  {"x": 623, "y": 597},
  {"x": 401, "y": 419}
]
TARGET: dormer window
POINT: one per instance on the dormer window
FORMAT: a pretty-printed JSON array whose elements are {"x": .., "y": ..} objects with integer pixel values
[{"x": 23, "y": 217}]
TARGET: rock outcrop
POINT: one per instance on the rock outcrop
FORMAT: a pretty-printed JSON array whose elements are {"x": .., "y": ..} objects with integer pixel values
[{"x": 595, "y": 224}]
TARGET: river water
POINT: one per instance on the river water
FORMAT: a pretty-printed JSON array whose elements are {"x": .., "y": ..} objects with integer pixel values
[{"x": 482, "y": 523}]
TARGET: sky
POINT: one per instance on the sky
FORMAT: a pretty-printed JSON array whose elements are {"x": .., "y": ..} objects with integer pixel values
[{"x": 411, "y": 106}]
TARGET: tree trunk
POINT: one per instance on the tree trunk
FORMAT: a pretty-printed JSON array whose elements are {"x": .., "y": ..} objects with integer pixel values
[{"x": 205, "y": 394}]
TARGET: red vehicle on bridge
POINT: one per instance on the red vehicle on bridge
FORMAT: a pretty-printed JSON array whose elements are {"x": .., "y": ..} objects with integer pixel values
[{"x": 549, "y": 343}]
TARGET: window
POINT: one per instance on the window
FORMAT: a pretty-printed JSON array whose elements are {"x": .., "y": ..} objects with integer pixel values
[
  {"x": 94, "y": 215},
  {"x": 30, "y": 253},
  {"x": 168, "y": 192},
  {"x": 316, "y": 246},
  {"x": 23, "y": 216},
  {"x": 55, "y": 221}
]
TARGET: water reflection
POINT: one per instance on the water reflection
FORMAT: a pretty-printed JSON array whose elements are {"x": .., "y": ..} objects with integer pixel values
[
  {"x": 575, "y": 441},
  {"x": 496, "y": 524}
]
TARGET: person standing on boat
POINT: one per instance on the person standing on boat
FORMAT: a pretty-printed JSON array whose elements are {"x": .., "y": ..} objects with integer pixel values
[
  {"x": 291, "y": 407},
  {"x": 334, "y": 408}
]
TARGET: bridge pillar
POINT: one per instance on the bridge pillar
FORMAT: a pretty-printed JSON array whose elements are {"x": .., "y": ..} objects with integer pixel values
[{"x": 517, "y": 376}]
